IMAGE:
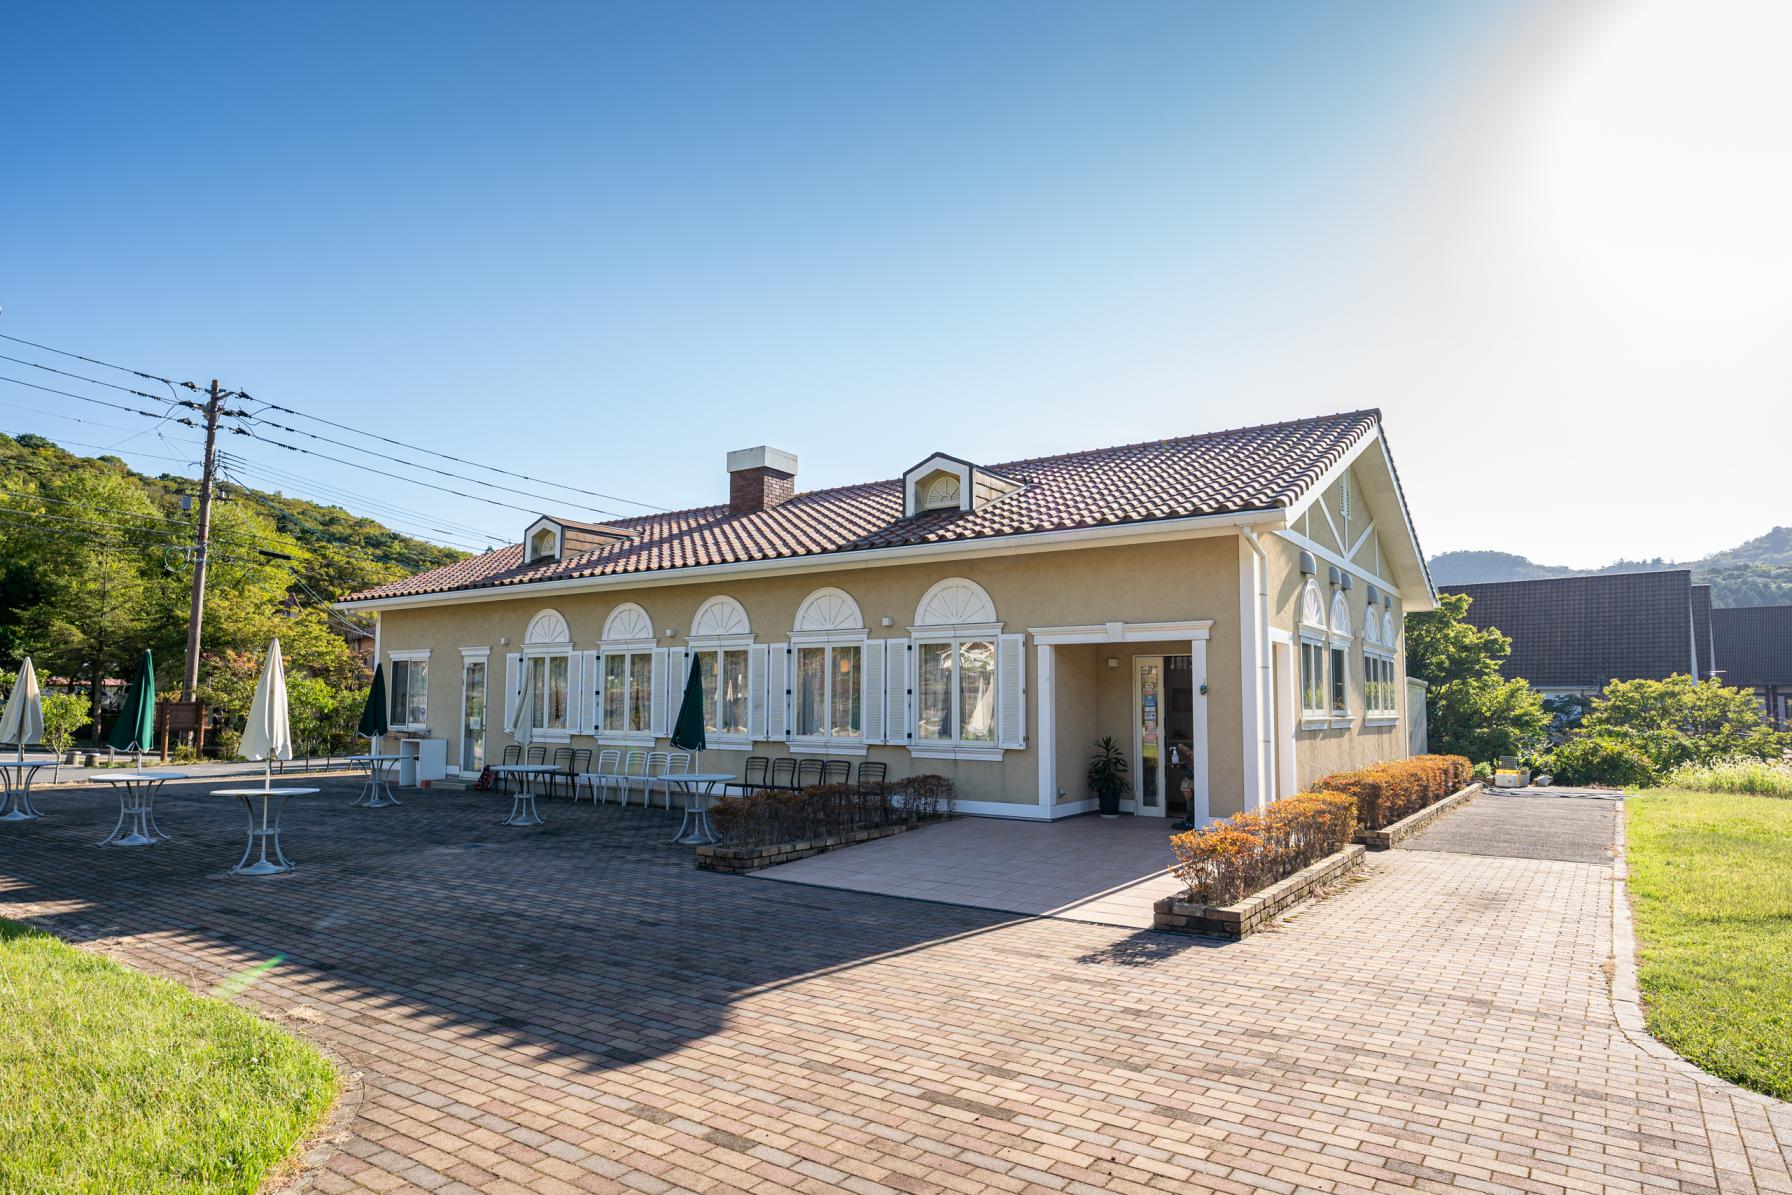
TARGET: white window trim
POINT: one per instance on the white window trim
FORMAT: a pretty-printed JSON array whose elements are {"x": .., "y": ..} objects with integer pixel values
[
  {"x": 409, "y": 655},
  {"x": 957, "y": 635},
  {"x": 625, "y": 648},
  {"x": 841, "y": 744},
  {"x": 549, "y": 651},
  {"x": 1314, "y": 718},
  {"x": 1380, "y": 717},
  {"x": 701, "y": 643}
]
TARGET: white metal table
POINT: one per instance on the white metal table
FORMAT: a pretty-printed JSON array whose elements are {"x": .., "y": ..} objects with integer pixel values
[
  {"x": 17, "y": 776},
  {"x": 136, "y": 805},
  {"x": 266, "y": 833},
  {"x": 377, "y": 793},
  {"x": 695, "y": 829},
  {"x": 522, "y": 806}
]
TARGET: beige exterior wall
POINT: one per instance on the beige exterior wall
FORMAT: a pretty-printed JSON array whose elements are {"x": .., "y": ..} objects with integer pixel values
[
  {"x": 1178, "y": 580},
  {"x": 1323, "y": 748}
]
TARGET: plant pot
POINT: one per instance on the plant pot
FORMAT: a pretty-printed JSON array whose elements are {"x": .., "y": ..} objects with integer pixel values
[{"x": 1110, "y": 804}]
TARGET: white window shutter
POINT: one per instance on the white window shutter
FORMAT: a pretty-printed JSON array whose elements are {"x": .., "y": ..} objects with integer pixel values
[
  {"x": 513, "y": 679},
  {"x": 656, "y": 714},
  {"x": 757, "y": 707},
  {"x": 1011, "y": 691},
  {"x": 678, "y": 668},
  {"x": 896, "y": 684},
  {"x": 777, "y": 692},
  {"x": 575, "y": 687},
  {"x": 871, "y": 704},
  {"x": 594, "y": 691}
]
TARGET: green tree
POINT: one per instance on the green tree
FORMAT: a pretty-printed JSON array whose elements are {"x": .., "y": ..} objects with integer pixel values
[
  {"x": 1470, "y": 709},
  {"x": 1679, "y": 720}
]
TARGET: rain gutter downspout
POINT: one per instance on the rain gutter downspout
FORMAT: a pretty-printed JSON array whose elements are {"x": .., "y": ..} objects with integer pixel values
[{"x": 1259, "y": 742}]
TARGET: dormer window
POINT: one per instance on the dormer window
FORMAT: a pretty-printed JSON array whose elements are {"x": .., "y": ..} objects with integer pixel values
[
  {"x": 551, "y": 539},
  {"x": 944, "y": 482},
  {"x": 941, "y": 493}
]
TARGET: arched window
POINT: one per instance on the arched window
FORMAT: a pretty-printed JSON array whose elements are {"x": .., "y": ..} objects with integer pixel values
[
  {"x": 1381, "y": 696},
  {"x": 956, "y": 699},
  {"x": 831, "y": 686},
  {"x": 626, "y": 664},
  {"x": 720, "y": 641},
  {"x": 1340, "y": 620},
  {"x": 548, "y": 656},
  {"x": 1314, "y": 694}
]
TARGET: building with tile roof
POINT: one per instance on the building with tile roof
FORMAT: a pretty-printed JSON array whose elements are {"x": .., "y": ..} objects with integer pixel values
[
  {"x": 1754, "y": 651},
  {"x": 1229, "y": 603},
  {"x": 1577, "y": 634}
]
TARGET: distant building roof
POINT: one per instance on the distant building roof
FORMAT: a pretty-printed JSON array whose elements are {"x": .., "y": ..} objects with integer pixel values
[
  {"x": 1582, "y": 632},
  {"x": 1754, "y": 645}
]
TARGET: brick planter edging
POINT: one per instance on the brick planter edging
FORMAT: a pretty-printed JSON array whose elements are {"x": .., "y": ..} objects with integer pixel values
[
  {"x": 722, "y": 857},
  {"x": 1392, "y": 836},
  {"x": 1249, "y": 915}
]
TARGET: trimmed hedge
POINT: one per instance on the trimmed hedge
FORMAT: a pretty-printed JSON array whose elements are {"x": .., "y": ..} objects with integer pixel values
[
  {"x": 1387, "y": 792},
  {"x": 1247, "y": 852},
  {"x": 772, "y": 818}
]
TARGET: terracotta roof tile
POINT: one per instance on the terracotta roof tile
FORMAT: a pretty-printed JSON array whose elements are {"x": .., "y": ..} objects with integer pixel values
[{"x": 1226, "y": 472}]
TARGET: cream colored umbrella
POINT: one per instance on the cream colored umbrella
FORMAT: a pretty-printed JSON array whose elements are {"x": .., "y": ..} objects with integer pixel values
[
  {"x": 268, "y": 734},
  {"x": 23, "y": 721}
]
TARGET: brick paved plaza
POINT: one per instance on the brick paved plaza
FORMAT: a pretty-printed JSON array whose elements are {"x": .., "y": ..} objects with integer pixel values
[{"x": 574, "y": 1007}]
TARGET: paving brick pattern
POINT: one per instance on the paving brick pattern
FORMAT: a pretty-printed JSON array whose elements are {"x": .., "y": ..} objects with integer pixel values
[{"x": 575, "y": 1008}]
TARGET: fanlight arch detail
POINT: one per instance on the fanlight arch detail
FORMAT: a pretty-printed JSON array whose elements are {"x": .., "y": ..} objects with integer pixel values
[
  {"x": 829, "y": 609},
  {"x": 1340, "y": 622},
  {"x": 1387, "y": 630},
  {"x": 548, "y": 626},
  {"x": 955, "y": 600},
  {"x": 1312, "y": 606},
  {"x": 720, "y": 615},
  {"x": 628, "y": 621}
]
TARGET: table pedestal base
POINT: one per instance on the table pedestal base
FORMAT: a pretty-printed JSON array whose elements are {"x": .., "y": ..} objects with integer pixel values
[
  {"x": 17, "y": 800},
  {"x": 139, "y": 809},
  {"x": 522, "y": 810},
  {"x": 268, "y": 835},
  {"x": 377, "y": 793}
]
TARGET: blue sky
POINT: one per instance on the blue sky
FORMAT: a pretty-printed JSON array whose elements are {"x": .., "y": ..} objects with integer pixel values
[{"x": 604, "y": 244}]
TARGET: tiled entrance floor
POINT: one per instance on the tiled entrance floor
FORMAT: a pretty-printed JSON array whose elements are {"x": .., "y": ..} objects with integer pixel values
[{"x": 1082, "y": 868}]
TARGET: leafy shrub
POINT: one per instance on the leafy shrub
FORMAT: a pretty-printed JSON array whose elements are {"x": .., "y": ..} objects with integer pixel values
[
  {"x": 1759, "y": 777},
  {"x": 770, "y": 818},
  {"x": 1600, "y": 759},
  {"x": 64, "y": 714},
  {"x": 1680, "y": 721},
  {"x": 1250, "y": 851},
  {"x": 1387, "y": 792}
]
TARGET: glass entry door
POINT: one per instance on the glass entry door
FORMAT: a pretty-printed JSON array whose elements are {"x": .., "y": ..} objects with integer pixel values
[
  {"x": 1163, "y": 735},
  {"x": 472, "y": 717}
]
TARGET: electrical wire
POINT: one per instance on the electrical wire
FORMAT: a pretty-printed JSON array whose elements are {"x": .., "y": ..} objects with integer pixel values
[
  {"x": 330, "y": 495},
  {"x": 96, "y": 361},
  {"x": 117, "y": 406}
]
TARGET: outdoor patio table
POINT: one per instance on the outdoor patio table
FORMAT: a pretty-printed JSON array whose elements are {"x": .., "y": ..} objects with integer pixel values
[
  {"x": 263, "y": 866},
  {"x": 17, "y": 776},
  {"x": 695, "y": 829},
  {"x": 522, "y": 807},
  {"x": 377, "y": 793},
  {"x": 137, "y": 805}
]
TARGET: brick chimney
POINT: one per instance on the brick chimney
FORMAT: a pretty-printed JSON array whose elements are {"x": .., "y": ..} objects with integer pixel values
[{"x": 759, "y": 478}]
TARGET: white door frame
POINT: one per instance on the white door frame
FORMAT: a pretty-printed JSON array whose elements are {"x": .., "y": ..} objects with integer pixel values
[
  {"x": 469, "y": 657},
  {"x": 1136, "y": 707}
]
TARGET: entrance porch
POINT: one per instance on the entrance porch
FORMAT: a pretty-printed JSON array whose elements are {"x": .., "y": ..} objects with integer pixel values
[{"x": 1145, "y": 686}]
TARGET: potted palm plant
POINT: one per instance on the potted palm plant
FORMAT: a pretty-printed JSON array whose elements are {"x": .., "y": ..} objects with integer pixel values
[{"x": 1107, "y": 775}]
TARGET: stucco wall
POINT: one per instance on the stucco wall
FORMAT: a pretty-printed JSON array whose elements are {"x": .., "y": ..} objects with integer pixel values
[
  {"x": 1323, "y": 749},
  {"x": 1168, "y": 581}
]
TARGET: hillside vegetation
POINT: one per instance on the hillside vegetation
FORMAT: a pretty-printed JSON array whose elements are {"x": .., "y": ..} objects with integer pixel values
[
  {"x": 94, "y": 566},
  {"x": 1756, "y": 573}
]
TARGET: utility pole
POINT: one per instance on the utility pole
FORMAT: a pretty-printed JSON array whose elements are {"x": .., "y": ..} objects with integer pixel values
[{"x": 190, "y": 679}]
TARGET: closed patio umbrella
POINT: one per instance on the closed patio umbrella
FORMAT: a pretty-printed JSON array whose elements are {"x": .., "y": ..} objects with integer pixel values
[
  {"x": 136, "y": 724},
  {"x": 376, "y": 714},
  {"x": 268, "y": 733},
  {"x": 23, "y": 721},
  {"x": 687, "y": 732}
]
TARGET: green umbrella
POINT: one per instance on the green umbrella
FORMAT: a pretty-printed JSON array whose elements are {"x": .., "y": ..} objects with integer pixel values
[
  {"x": 687, "y": 732},
  {"x": 374, "y": 716},
  {"x": 136, "y": 724}
]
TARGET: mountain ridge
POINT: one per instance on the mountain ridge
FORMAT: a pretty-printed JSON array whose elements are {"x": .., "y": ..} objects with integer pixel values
[{"x": 1757, "y": 572}]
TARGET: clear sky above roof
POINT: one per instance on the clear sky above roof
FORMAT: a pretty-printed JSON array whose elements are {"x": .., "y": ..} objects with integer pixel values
[{"x": 604, "y": 244}]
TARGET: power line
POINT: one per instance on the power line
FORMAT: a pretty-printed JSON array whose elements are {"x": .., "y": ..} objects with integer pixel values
[
  {"x": 386, "y": 456},
  {"x": 319, "y": 532},
  {"x": 331, "y": 495},
  {"x": 447, "y": 456},
  {"x": 96, "y": 382},
  {"x": 96, "y": 361},
  {"x": 117, "y": 406}
]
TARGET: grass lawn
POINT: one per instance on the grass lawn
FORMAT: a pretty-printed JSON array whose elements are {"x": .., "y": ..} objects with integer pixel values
[
  {"x": 115, "y": 1081},
  {"x": 1711, "y": 883}
]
